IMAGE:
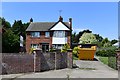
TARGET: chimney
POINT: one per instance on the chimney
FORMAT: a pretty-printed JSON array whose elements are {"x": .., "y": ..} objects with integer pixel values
[
  {"x": 60, "y": 19},
  {"x": 31, "y": 20},
  {"x": 70, "y": 22}
]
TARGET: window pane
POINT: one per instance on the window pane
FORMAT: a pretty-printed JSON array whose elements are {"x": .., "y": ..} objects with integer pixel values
[
  {"x": 35, "y": 46},
  {"x": 59, "y": 34},
  {"x": 47, "y": 34},
  {"x": 35, "y": 34}
]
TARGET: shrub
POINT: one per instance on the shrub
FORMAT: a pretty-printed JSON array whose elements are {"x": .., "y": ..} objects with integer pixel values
[
  {"x": 75, "y": 52},
  {"x": 65, "y": 47},
  {"x": 106, "y": 52}
]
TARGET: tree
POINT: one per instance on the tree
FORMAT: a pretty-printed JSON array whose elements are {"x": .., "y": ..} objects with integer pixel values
[
  {"x": 106, "y": 42},
  {"x": 114, "y": 41},
  {"x": 98, "y": 37},
  {"x": 19, "y": 28},
  {"x": 75, "y": 37},
  {"x": 88, "y": 38},
  {"x": 5, "y": 24},
  {"x": 10, "y": 42}
]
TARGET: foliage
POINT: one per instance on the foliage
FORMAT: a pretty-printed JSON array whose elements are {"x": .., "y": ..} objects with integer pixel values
[
  {"x": 10, "y": 36},
  {"x": 110, "y": 61},
  {"x": 105, "y": 52},
  {"x": 10, "y": 42},
  {"x": 106, "y": 43},
  {"x": 114, "y": 41},
  {"x": 65, "y": 47},
  {"x": 98, "y": 37},
  {"x": 75, "y": 37},
  {"x": 104, "y": 60},
  {"x": 88, "y": 38},
  {"x": 75, "y": 52},
  {"x": 5, "y": 24},
  {"x": 75, "y": 58}
]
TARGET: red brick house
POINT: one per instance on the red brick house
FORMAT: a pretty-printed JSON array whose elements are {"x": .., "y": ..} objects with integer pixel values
[{"x": 47, "y": 35}]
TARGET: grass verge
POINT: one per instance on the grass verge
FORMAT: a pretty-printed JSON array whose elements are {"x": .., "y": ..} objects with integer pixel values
[{"x": 104, "y": 60}]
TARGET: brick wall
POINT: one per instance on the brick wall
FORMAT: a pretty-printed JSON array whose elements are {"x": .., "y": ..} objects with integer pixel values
[
  {"x": 24, "y": 63},
  {"x": 30, "y": 40},
  {"x": 17, "y": 63},
  {"x": 35, "y": 40}
]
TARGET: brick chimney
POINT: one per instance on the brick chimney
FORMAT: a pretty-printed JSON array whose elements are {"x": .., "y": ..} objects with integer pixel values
[
  {"x": 60, "y": 19},
  {"x": 70, "y": 22}
]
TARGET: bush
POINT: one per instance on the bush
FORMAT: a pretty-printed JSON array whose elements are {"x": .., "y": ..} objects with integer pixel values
[
  {"x": 65, "y": 48},
  {"x": 75, "y": 52},
  {"x": 106, "y": 52}
]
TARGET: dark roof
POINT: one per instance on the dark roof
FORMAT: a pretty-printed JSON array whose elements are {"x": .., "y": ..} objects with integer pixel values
[{"x": 42, "y": 26}]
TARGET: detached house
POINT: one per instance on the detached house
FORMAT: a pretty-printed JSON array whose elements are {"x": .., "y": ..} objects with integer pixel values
[{"x": 47, "y": 35}]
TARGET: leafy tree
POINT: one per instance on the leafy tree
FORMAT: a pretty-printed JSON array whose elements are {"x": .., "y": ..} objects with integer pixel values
[
  {"x": 5, "y": 24},
  {"x": 88, "y": 38},
  {"x": 114, "y": 41},
  {"x": 106, "y": 43},
  {"x": 76, "y": 37},
  {"x": 98, "y": 37},
  {"x": 73, "y": 37},
  {"x": 99, "y": 40},
  {"x": 17, "y": 27},
  {"x": 10, "y": 42}
]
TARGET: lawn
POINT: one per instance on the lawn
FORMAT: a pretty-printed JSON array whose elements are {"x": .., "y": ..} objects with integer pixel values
[
  {"x": 111, "y": 61},
  {"x": 104, "y": 60}
]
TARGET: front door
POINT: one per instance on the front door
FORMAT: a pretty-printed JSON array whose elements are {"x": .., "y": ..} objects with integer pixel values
[{"x": 45, "y": 47}]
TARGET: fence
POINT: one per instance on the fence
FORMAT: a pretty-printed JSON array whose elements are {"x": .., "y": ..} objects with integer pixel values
[
  {"x": 118, "y": 59},
  {"x": 24, "y": 63}
]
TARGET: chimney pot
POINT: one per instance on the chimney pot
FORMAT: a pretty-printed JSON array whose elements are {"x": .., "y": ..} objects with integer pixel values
[
  {"x": 60, "y": 18},
  {"x": 70, "y": 21}
]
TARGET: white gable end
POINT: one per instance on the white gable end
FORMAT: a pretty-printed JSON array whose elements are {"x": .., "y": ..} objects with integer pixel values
[{"x": 60, "y": 26}]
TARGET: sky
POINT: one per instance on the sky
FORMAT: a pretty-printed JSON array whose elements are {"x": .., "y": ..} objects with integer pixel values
[{"x": 99, "y": 17}]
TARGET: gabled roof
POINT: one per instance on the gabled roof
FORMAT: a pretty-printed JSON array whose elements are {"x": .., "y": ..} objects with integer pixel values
[
  {"x": 43, "y": 26},
  {"x": 64, "y": 23}
]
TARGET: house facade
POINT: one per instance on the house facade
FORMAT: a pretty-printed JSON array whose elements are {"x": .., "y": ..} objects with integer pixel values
[{"x": 47, "y": 35}]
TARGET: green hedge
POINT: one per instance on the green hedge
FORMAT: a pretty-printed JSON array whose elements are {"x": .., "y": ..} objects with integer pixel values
[{"x": 106, "y": 52}]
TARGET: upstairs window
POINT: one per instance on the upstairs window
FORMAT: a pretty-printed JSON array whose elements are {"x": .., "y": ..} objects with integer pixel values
[
  {"x": 47, "y": 34},
  {"x": 35, "y": 34},
  {"x": 59, "y": 34}
]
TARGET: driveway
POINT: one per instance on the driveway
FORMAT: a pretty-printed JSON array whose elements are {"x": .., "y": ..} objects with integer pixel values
[{"x": 86, "y": 71}]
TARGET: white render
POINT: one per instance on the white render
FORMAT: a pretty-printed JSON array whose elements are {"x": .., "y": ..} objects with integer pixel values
[
  {"x": 60, "y": 26},
  {"x": 59, "y": 40},
  {"x": 21, "y": 41}
]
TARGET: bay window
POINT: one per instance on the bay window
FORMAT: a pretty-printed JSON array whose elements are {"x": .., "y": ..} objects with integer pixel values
[{"x": 59, "y": 34}]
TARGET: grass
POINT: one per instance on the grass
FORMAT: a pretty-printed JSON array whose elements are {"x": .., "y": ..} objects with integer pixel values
[
  {"x": 111, "y": 62},
  {"x": 104, "y": 60}
]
